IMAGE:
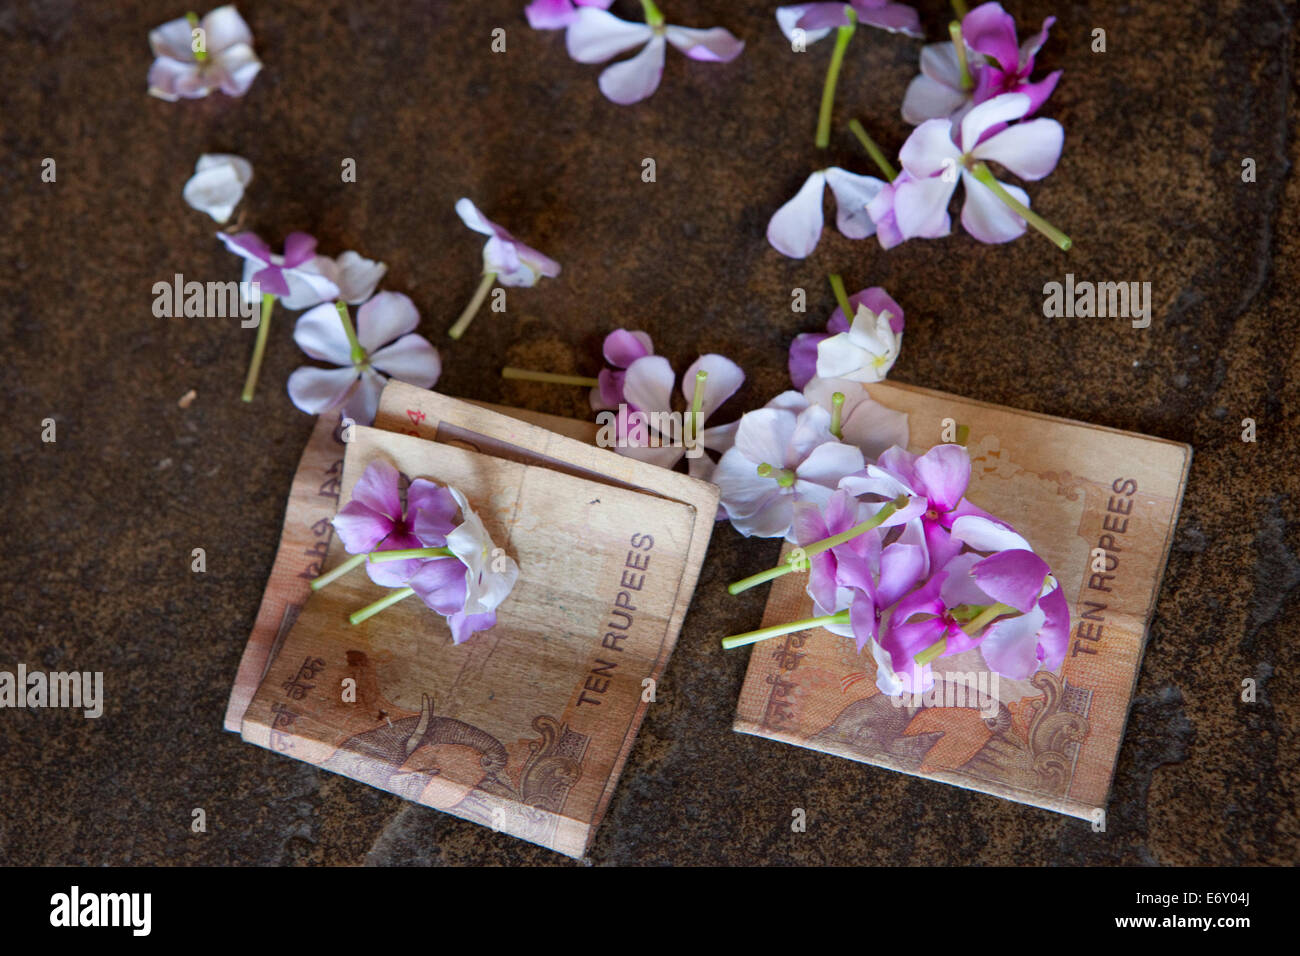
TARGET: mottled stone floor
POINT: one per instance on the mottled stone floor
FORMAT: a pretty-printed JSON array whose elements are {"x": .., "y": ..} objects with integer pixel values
[{"x": 99, "y": 525}]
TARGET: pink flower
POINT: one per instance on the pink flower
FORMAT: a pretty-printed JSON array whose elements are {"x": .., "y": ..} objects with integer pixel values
[
  {"x": 795, "y": 229},
  {"x": 596, "y": 36},
  {"x": 558, "y": 14},
  {"x": 375, "y": 519},
  {"x": 937, "y": 91},
  {"x": 389, "y": 346},
  {"x": 991, "y": 32},
  {"x": 299, "y": 278},
  {"x": 621, "y": 349},
  {"x": 513, "y": 262},
  {"x": 802, "y": 362},
  {"x": 819, "y": 19},
  {"x": 225, "y": 62},
  {"x": 1029, "y": 149}
]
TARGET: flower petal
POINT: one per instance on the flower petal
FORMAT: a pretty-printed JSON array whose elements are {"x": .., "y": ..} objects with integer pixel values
[
  {"x": 595, "y": 36},
  {"x": 224, "y": 27},
  {"x": 316, "y": 390},
  {"x": 795, "y": 229},
  {"x": 787, "y": 18},
  {"x": 717, "y": 45},
  {"x": 1012, "y": 577},
  {"x": 308, "y": 285},
  {"x": 986, "y": 217},
  {"x": 384, "y": 318},
  {"x": 379, "y": 489},
  {"x": 299, "y": 248},
  {"x": 802, "y": 362},
  {"x": 921, "y": 203},
  {"x": 356, "y": 276},
  {"x": 236, "y": 67},
  {"x": 991, "y": 113},
  {"x": 411, "y": 359},
  {"x": 928, "y": 99},
  {"x": 362, "y": 402},
  {"x": 894, "y": 17},
  {"x": 319, "y": 333},
  {"x": 942, "y": 474},
  {"x": 472, "y": 217},
  {"x": 990, "y": 31},
  {"x": 1010, "y": 645},
  {"x": 1030, "y": 149},
  {"x": 764, "y": 437},
  {"x": 852, "y": 194},
  {"x": 829, "y": 463},
  {"x": 724, "y": 379},
  {"x": 622, "y": 347},
  {"x": 929, "y": 150},
  {"x": 550, "y": 14},
  {"x": 632, "y": 80},
  {"x": 987, "y": 534},
  {"x": 648, "y": 385}
]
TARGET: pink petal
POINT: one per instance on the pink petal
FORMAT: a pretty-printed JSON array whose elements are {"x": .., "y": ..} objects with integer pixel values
[
  {"x": 901, "y": 567},
  {"x": 394, "y": 574},
  {"x": 724, "y": 380},
  {"x": 550, "y": 14},
  {"x": 1054, "y": 636},
  {"x": 411, "y": 359},
  {"x": 986, "y": 217},
  {"x": 431, "y": 512},
  {"x": 714, "y": 46},
  {"x": 1012, "y": 577},
  {"x": 894, "y": 17},
  {"x": 622, "y": 347},
  {"x": 1029, "y": 49},
  {"x": 441, "y": 585},
  {"x": 1029, "y": 149},
  {"x": 317, "y": 390},
  {"x": 595, "y": 36},
  {"x": 378, "y": 489},
  {"x": 299, "y": 247},
  {"x": 384, "y": 318},
  {"x": 852, "y": 193},
  {"x": 802, "y": 362},
  {"x": 633, "y": 80},
  {"x": 1010, "y": 645},
  {"x": 985, "y": 116},
  {"x": 1040, "y": 91},
  {"x": 795, "y": 229},
  {"x": 360, "y": 527},
  {"x": 649, "y": 384},
  {"x": 991, "y": 31},
  {"x": 464, "y": 626},
  {"x": 942, "y": 474},
  {"x": 246, "y": 244},
  {"x": 823, "y": 16},
  {"x": 879, "y": 301},
  {"x": 319, "y": 333}
]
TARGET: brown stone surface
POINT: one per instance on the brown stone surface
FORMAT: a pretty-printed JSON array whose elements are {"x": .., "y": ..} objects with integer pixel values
[{"x": 99, "y": 526}]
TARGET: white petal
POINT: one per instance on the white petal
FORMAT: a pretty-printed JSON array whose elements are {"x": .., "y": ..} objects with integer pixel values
[
  {"x": 224, "y": 27},
  {"x": 648, "y": 385},
  {"x": 633, "y": 80},
  {"x": 764, "y": 436},
  {"x": 216, "y": 188},
  {"x": 830, "y": 462},
  {"x": 795, "y": 229},
  {"x": 852, "y": 193},
  {"x": 384, "y": 318},
  {"x": 939, "y": 63},
  {"x": 985, "y": 535},
  {"x": 1000, "y": 109},
  {"x": 411, "y": 359},
  {"x": 595, "y": 35},
  {"x": 875, "y": 428},
  {"x": 363, "y": 401},
  {"x": 988, "y": 218},
  {"x": 716, "y": 45},
  {"x": 920, "y": 203},
  {"x": 929, "y": 150},
  {"x": 319, "y": 333},
  {"x": 927, "y": 99},
  {"x": 316, "y": 390},
  {"x": 309, "y": 284},
  {"x": 470, "y": 216},
  {"x": 356, "y": 276},
  {"x": 788, "y": 17},
  {"x": 1030, "y": 149},
  {"x": 724, "y": 380},
  {"x": 744, "y": 491}
]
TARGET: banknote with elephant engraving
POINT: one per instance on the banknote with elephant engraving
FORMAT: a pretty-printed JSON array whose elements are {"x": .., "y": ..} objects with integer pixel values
[
  {"x": 1101, "y": 506},
  {"x": 524, "y": 727}
]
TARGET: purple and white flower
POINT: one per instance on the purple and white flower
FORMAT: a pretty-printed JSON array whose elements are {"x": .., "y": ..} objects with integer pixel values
[
  {"x": 511, "y": 261},
  {"x": 299, "y": 278},
  {"x": 224, "y": 58},
  {"x": 816, "y": 20}
]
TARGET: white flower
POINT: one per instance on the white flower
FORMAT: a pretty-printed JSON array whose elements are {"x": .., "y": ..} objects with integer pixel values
[
  {"x": 490, "y": 574},
  {"x": 218, "y": 184},
  {"x": 865, "y": 353},
  {"x": 355, "y": 275},
  {"x": 782, "y": 452},
  {"x": 513, "y": 262},
  {"x": 226, "y": 60},
  {"x": 354, "y": 387}
]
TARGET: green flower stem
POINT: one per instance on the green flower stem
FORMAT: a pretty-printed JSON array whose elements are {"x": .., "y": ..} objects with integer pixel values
[
  {"x": 930, "y": 653},
  {"x": 358, "y": 353},
  {"x": 405, "y": 554},
  {"x": 200, "y": 56},
  {"x": 259, "y": 347},
  {"x": 981, "y": 172},
  {"x": 873, "y": 150},
  {"x": 837, "y": 414},
  {"x": 959, "y": 8},
  {"x": 553, "y": 378},
  {"x": 841, "y": 297},
  {"x": 954, "y": 31},
  {"x": 842, "y": 37},
  {"x": 753, "y": 637},
  {"x": 330, "y": 576},
  {"x": 697, "y": 403},
  {"x": 817, "y": 547},
  {"x": 985, "y": 617},
  {"x": 653, "y": 17},
  {"x": 370, "y": 610},
  {"x": 467, "y": 316}
]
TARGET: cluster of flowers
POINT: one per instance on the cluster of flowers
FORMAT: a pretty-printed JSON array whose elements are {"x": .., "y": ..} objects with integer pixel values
[
  {"x": 970, "y": 105},
  {"x": 432, "y": 545}
]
